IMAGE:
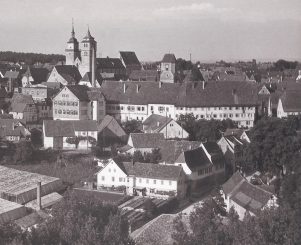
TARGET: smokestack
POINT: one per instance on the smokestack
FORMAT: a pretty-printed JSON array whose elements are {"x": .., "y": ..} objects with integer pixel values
[
  {"x": 39, "y": 201},
  {"x": 93, "y": 67}
]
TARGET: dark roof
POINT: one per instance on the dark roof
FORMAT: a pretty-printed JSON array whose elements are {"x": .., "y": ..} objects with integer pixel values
[
  {"x": 52, "y": 85},
  {"x": 152, "y": 171},
  {"x": 234, "y": 131},
  {"x": 129, "y": 58},
  {"x": 80, "y": 91},
  {"x": 186, "y": 94},
  {"x": 154, "y": 123},
  {"x": 58, "y": 128},
  {"x": 196, "y": 158},
  {"x": 169, "y": 58},
  {"x": 38, "y": 74},
  {"x": 171, "y": 149},
  {"x": 110, "y": 123},
  {"x": 212, "y": 147},
  {"x": 88, "y": 77},
  {"x": 233, "y": 182},
  {"x": 12, "y": 127},
  {"x": 88, "y": 37},
  {"x": 69, "y": 72},
  {"x": 109, "y": 63},
  {"x": 146, "y": 140},
  {"x": 291, "y": 101},
  {"x": 144, "y": 75}
]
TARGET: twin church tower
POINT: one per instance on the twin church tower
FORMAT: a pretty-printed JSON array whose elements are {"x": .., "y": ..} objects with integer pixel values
[{"x": 82, "y": 55}]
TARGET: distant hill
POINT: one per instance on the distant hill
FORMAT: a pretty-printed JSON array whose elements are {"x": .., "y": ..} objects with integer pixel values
[{"x": 30, "y": 58}]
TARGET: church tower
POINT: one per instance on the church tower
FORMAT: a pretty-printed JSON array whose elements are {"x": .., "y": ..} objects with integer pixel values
[
  {"x": 72, "y": 50},
  {"x": 88, "y": 54}
]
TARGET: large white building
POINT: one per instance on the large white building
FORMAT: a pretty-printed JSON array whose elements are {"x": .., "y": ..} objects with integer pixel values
[
  {"x": 215, "y": 100},
  {"x": 143, "y": 178}
]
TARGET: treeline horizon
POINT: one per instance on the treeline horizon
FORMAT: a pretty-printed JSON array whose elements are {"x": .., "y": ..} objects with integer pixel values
[{"x": 30, "y": 58}]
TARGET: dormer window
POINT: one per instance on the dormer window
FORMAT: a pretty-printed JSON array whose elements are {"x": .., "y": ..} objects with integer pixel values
[{"x": 166, "y": 67}]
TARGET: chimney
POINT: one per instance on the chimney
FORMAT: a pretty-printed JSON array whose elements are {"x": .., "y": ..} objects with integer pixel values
[
  {"x": 124, "y": 87},
  {"x": 234, "y": 91},
  {"x": 203, "y": 83},
  {"x": 160, "y": 84},
  {"x": 93, "y": 67},
  {"x": 158, "y": 124},
  {"x": 39, "y": 201}
]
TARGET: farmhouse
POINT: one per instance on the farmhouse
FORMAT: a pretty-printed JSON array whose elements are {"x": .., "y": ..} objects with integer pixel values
[
  {"x": 245, "y": 197},
  {"x": 70, "y": 134}
]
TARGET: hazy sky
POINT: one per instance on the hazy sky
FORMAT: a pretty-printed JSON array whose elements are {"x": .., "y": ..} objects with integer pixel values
[{"x": 209, "y": 29}]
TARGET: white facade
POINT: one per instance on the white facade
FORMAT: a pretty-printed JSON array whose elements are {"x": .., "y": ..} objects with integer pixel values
[
  {"x": 112, "y": 176},
  {"x": 243, "y": 115},
  {"x": 283, "y": 114}
]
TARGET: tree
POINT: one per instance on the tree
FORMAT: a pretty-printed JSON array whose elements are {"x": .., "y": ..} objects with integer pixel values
[
  {"x": 132, "y": 126},
  {"x": 274, "y": 146},
  {"x": 153, "y": 157}
]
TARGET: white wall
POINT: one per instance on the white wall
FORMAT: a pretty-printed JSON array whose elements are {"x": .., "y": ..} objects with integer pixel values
[{"x": 113, "y": 176}]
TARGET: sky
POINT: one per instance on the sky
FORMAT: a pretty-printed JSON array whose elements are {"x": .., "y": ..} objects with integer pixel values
[{"x": 210, "y": 30}]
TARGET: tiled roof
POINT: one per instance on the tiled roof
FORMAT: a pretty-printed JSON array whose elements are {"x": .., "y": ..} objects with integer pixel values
[
  {"x": 19, "y": 102},
  {"x": 111, "y": 123},
  {"x": 152, "y": 171},
  {"x": 171, "y": 149},
  {"x": 212, "y": 147},
  {"x": 39, "y": 74},
  {"x": 129, "y": 58},
  {"x": 109, "y": 63},
  {"x": 196, "y": 158},
  {"x": 144, "y": 75},
  {"x": 234, "y": 131},
  {"x": 88, "y": 77},
  {"x": 69, "y": 72},
  {"x": 291, "y": 101},
  {"x": 235, "y": 180},
  {"x": 58, "y": 128},
  {"x": 154, "y": 123},
  {"x": 12, "y": 74},
  {"x": 169, "y": 58},
  {"x": 80, "y": 91},
  {"x": 250, "y": 197},
  {"x": 186, "y": 94},
  {"x": 146, "y": 140}
]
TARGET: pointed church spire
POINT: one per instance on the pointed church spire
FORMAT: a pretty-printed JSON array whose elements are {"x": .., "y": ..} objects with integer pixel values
[
  {"x": 88, "y": 33},
  {"x": 72, "y": 32}
]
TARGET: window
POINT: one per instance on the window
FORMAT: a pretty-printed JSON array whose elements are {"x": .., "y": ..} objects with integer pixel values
[
  {"x": 139, "y": 108},
  {"x": 152, "y": 108},
  {"x": 114, "y": 170},
  {"x": 103, "y": 178},
  {"x": 170, "y": 182},
  {"x": 142, "y": 108},
  {"x": 140, "y": 180},
  {"x": 109, "y": 170},
  {"x": 55, "y": 111},
  {"x": 162, "y": 182},
  {"x": 155, "y": 181},
  {"x": 64, "y": 112},
  {"x": 113, "y": 179},
  {"x": 55, "y": 102},
  {"x": 161, "y": 109},
  {"x": 147, "y": 181},
  {"x": 120, "y": 179}
]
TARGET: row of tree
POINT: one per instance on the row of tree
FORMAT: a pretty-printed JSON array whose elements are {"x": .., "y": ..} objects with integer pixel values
[{"x": 30, "y": 58}]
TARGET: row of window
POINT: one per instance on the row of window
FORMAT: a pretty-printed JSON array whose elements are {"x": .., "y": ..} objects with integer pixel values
[
  {"x": 122, "y": 108},
  {"x": 213, "y": 108},
  {"x": 65, "y": 103},
  {"x": 147, "y": 181},
  {"x": 65, "y": 112},
  {"x": 205, "y": 171}
]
